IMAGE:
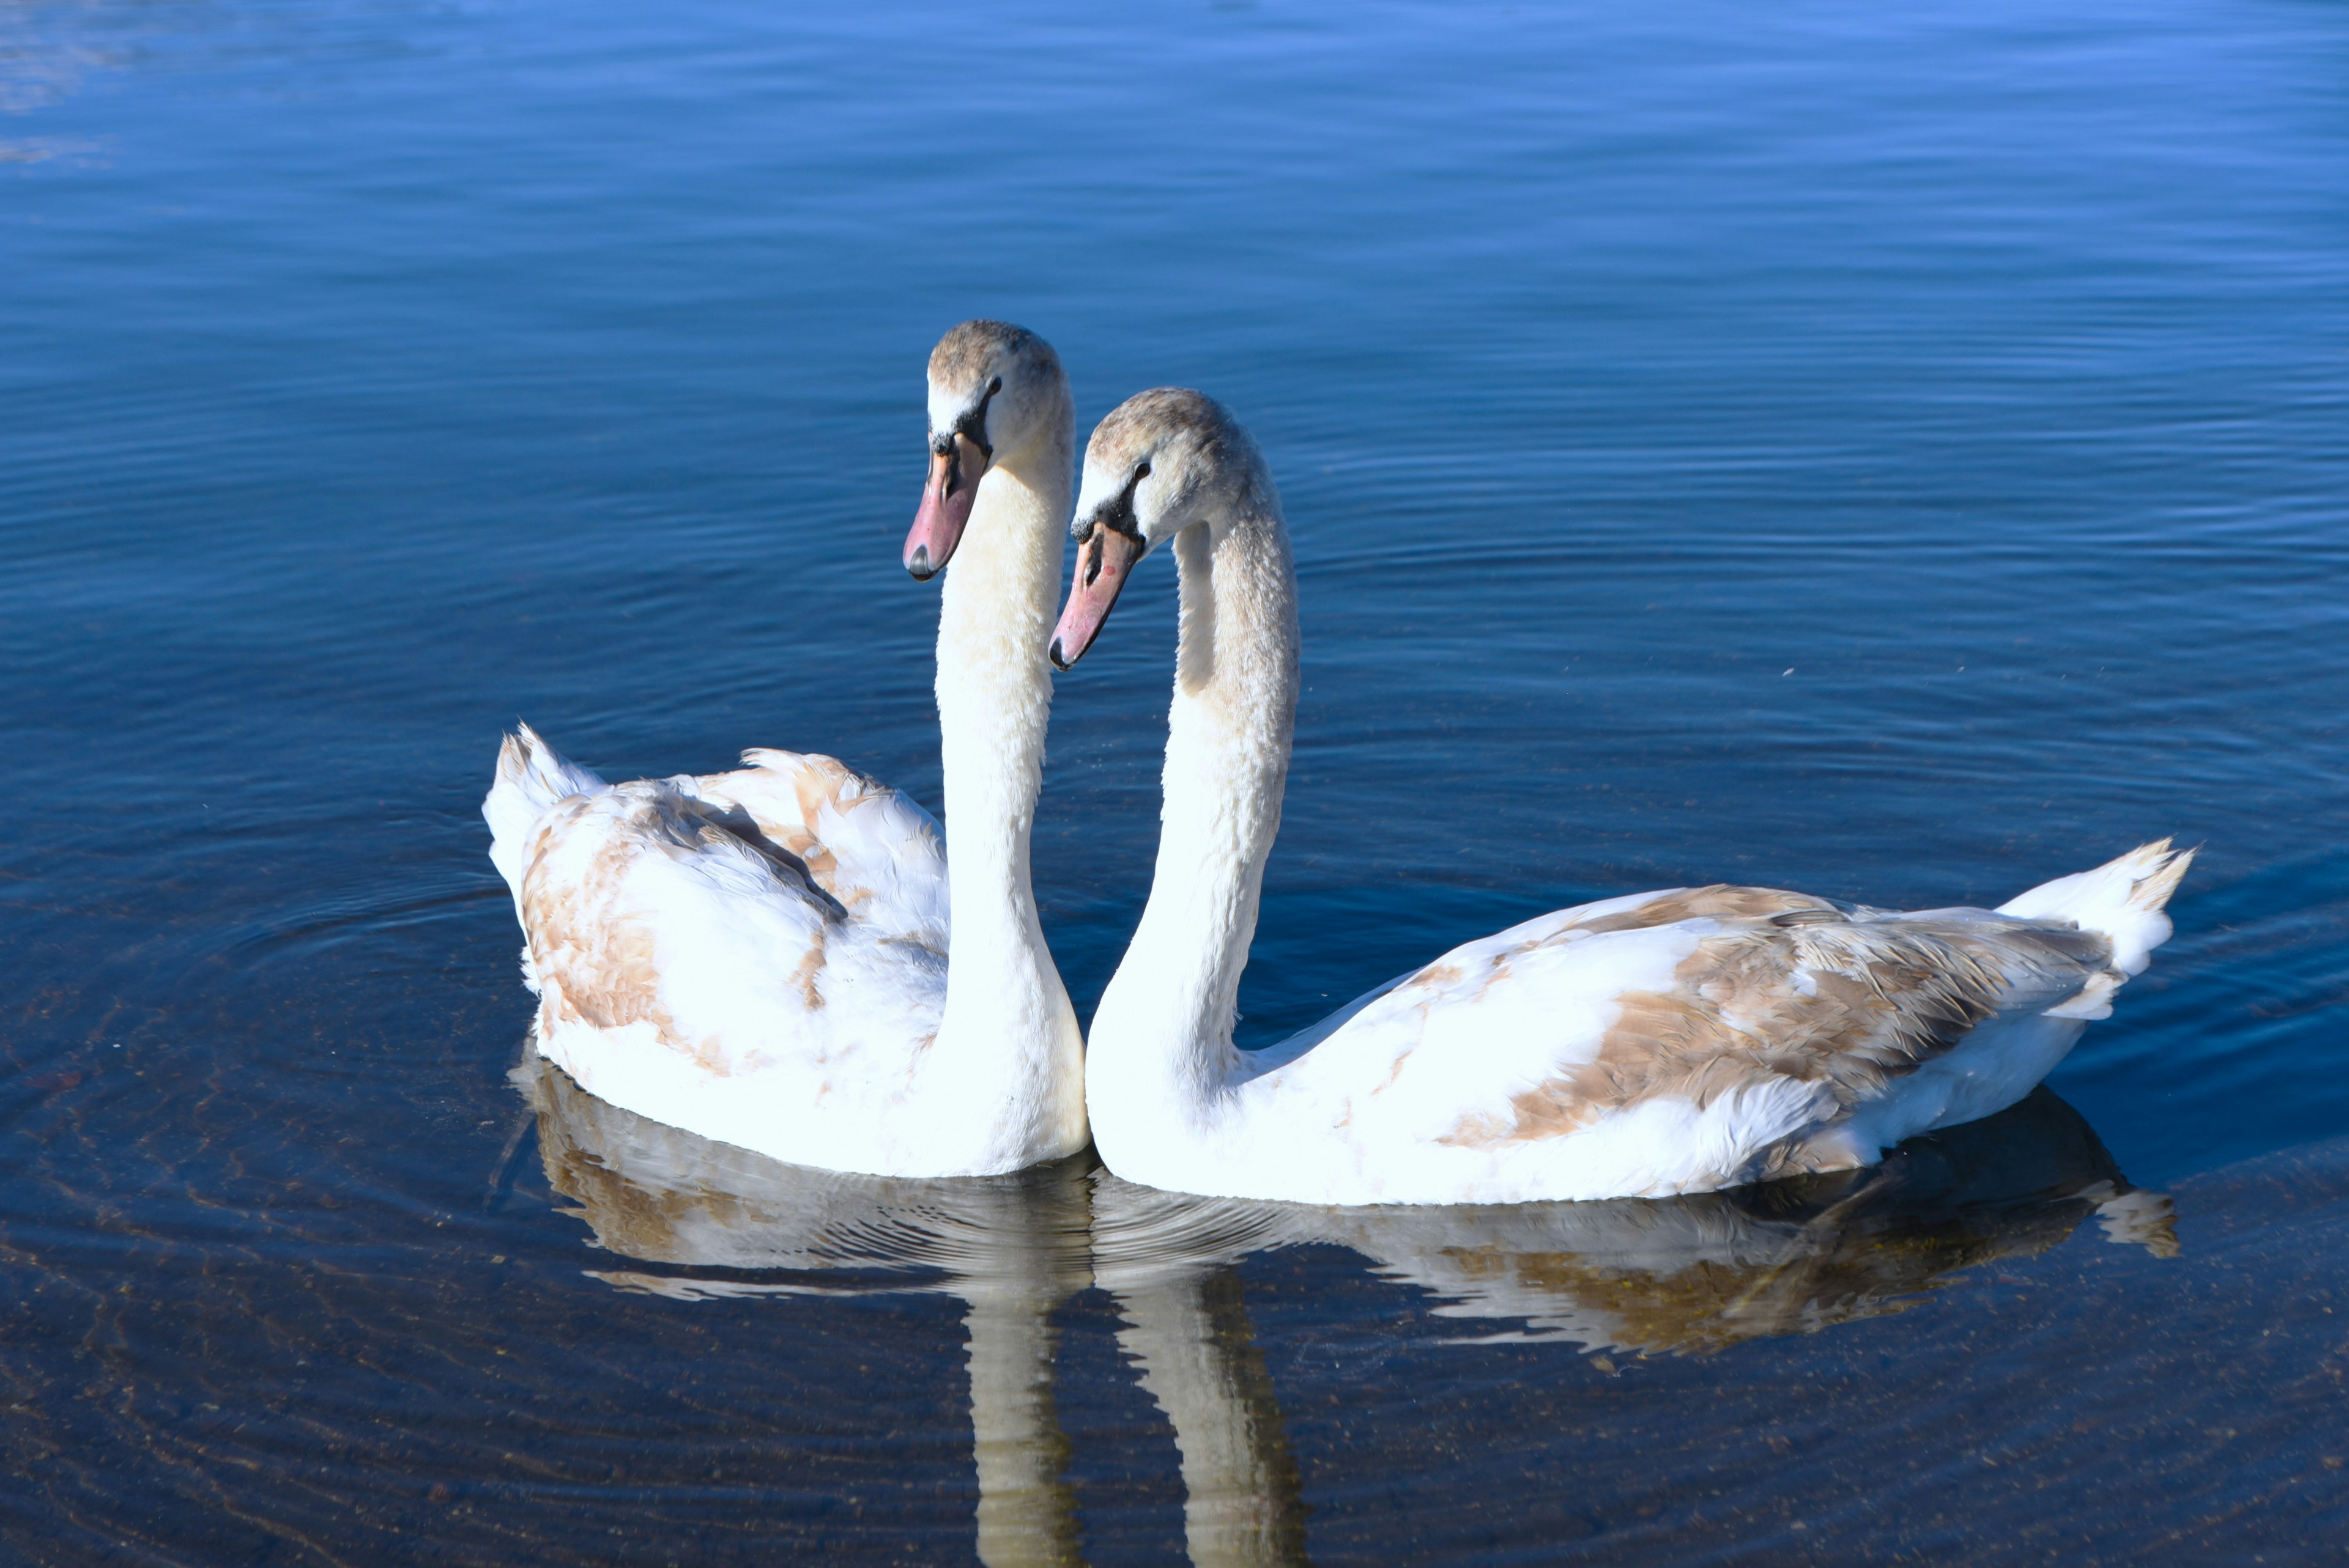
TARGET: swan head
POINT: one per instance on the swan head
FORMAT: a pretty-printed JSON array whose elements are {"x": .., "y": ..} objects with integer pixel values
[
  {"x": 995, "y": 390},
  {"x": 1162, "y": 461}
]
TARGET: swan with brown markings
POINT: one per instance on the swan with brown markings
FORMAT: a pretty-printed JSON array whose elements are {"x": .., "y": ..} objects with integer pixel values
[
  {"x": 1660, "y": 1043},
  {"x": 763, "y": 956}
]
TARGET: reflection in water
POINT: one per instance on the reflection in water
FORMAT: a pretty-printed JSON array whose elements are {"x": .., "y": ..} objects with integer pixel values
[
  {"x": 1011, "y": 1247},
  {"x": 42, "y": 58},
  {"x": 1683, "y": 1275},
  {"x": 1187, "y": 1330},
  {"x": 1697, "y": 1272}
]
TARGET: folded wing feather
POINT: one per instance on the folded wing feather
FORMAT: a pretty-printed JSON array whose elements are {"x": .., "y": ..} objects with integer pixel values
[
  {"x": 867, "y": 846},
  {"x": 712, "y": 910},
  {"x": 1770, "y": 990}
]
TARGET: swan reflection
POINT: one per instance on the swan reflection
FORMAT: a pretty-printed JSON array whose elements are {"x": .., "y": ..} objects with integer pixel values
[
  {"x": 1012, "y": 1248},
  {"x": 1682, "y": 1275},
  {"x": 1694, "y": 1273}
]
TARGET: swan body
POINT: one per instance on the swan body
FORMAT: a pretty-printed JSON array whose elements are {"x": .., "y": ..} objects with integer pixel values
[
  {"x": 785, "y": 957},
  {"x": 1663, "y": 1043}
]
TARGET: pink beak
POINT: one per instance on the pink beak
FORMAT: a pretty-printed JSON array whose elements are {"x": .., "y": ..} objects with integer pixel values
[
  {"x": 946, "y": 507},
  {"x": 1104, "y": 561}
]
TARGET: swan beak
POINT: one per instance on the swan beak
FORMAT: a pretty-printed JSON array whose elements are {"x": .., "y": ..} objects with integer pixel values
[
  {"x": 1104, "y": 559},
  {"x": 945, "y": 506}
]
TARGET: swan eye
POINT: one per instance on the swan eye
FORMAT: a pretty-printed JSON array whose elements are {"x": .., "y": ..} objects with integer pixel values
[
  {"x": 995, "y": 385},
  {"x": 1142, "y": 473}
]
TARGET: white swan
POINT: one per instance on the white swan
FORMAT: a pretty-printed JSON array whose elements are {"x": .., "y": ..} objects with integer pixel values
[
  {"x": 1661, "y": 1043},
  {"x": 761, "y": 957}
]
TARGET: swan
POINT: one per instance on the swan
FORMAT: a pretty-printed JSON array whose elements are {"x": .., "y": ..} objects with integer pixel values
[
  {"x": 761, "y": 957},
  {"x": 1661, "y": 1043}
]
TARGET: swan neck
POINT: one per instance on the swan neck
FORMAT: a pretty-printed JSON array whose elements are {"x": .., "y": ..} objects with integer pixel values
[
  {"x": 1164, "y": 1030},
  {"x": 995, "y": 696}
]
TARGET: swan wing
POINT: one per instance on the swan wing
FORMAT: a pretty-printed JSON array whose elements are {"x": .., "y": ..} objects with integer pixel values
[
  {"x": 1668, "y": 1042},
  {"x": 866, "y": 845},
  {"x": 694, "y": 972}
]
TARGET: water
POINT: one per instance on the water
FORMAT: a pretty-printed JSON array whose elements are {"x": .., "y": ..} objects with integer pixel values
[{"x": 1893, "y": 455}]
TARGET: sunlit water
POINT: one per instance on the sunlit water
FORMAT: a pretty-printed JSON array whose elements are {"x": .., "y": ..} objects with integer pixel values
[{"x": 1895, "y": 456}]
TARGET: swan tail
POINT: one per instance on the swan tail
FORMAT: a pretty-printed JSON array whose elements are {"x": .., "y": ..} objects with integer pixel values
[
  {"x": 2122, "y": 902},
  {"x": 532, "y": 777}
]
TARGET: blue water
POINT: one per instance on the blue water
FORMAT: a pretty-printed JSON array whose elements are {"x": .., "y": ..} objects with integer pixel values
[{"x": 1893, "y": 454}]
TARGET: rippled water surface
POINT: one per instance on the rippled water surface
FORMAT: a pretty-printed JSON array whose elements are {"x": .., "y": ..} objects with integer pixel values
[{"x": 1892, "y": 454}]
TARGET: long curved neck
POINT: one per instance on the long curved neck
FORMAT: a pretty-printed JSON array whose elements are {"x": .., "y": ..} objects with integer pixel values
[
  {"x": 1161, "y": 1041},
  {"x": 994, "y": 698}
]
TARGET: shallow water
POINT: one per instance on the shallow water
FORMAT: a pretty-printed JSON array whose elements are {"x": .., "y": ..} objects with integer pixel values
[{"x": 1894, "y": 457}]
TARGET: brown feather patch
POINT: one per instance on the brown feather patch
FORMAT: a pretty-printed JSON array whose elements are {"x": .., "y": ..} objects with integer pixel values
[
  {"x": 598, "y": 970},
  {"x": 594, "y": 955},
  {"x": 1791, "y": 987}
]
